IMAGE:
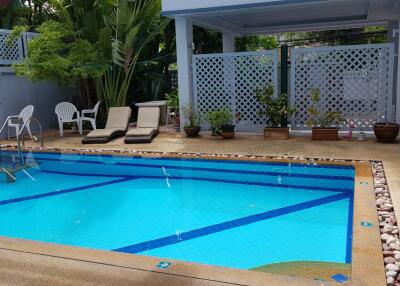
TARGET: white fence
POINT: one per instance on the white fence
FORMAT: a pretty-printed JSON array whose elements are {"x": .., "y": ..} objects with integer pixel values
[
  {"x": 12, "y": 53},
  {"x": 354, "y": 80},
  {"x": 18, "y": 92},
  {"x": 231, "y": 80}
]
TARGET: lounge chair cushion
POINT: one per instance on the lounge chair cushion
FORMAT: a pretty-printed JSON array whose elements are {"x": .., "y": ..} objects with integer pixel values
[
  {"x": 118, "y": 118},
  {"x": 103, "y": 132},
  {"x": 117, "y": 124},
  {"x": 148, "y": 117},
  {"x": 141, "y": 132}
]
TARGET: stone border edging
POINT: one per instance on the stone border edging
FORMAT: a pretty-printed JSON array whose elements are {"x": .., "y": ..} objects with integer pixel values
[{"x": 388, "y": 226}]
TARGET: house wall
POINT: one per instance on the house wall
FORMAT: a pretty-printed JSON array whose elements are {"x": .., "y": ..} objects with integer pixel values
[{"x": 17, "y": 92}]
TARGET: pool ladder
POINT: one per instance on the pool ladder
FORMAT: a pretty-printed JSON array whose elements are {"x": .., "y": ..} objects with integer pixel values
[{"x": 10, "y": 173}]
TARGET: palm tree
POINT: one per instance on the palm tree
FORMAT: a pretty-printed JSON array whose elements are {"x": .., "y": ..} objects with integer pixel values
[{"x": 132, "y": 25}]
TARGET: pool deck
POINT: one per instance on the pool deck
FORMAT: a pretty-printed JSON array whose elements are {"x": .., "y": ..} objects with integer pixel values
[{"x": 38, "y": 264}]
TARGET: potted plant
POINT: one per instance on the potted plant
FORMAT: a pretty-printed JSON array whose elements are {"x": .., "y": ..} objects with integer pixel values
[
  {"x": 173, "y": 103},
  {"x": 192, "y": 128},
  {"x": 223, "y": 122},
  {"x": 276, "y": 112},
  {"x": 323, "y": 123},
  {"x": 216, "y": 121},
  {"x": 386, "y": 132}
]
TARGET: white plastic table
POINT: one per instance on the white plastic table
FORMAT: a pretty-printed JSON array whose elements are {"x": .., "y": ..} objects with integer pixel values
[{"x": 162, "y": 104}]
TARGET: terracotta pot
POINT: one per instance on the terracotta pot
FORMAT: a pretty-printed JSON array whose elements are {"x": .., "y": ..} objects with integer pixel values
[
  {"x": 277, "y": 133},
  {"x": 192, "y": 131},
  {"x": 325, "y": 134},
  {"x": 386, "y": 132},
  {"x": 228, "y": 131}
]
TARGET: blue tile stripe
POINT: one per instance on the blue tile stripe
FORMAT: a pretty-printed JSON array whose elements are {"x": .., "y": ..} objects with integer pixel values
[
  {"x": 84, "y": 174},
  {"x": 61, "y": 192},
  {"x": 262, "y": 184},
  {"x": 350, "y": 218},
  {"x": 204, "y": 231},
  {"x": 246, "y": 172},
  {"x": 230, "y": 171}
]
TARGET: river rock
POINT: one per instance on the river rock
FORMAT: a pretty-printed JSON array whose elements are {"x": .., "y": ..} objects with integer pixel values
[
  {"x": 391, "y": 273},
  {"x": 385, "y": 236},
  {"x": 392, "y": 267},
  {"x": 389, "y": 260},
  {"x": 394, "y": 246}
]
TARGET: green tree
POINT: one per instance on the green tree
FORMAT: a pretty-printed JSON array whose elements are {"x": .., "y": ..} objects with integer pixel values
[
  {"x": 256, "y": 43},
  {"x": 132, "y": 25},
  {"x": 30, "y": 13},
  {"x": 57, "y": 54}
]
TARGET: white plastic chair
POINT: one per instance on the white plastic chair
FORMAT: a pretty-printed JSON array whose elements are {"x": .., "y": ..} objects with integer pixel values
[
  {"x": 65, "y": 113},
  {"x": 90, "y": 115},
  {"x": 17, "y": 121}
]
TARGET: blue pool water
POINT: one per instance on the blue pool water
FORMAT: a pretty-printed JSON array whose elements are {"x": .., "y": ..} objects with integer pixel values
[{"x": 225, "y": 213}]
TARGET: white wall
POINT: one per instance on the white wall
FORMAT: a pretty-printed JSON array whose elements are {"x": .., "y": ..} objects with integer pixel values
[
  {"x": 176, "y": 5},
  {"x": 17, "y": 92}
]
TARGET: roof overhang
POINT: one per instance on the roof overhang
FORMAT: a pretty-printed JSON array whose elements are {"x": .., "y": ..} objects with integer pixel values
[{"x": 243, "y": 17}]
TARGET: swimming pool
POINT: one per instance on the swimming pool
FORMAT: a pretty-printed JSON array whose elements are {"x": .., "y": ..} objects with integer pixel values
[{"x": 226, "y": 213}]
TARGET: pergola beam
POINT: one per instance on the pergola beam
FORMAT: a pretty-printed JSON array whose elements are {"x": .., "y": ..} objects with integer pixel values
[{"x": 315, "y": 26}]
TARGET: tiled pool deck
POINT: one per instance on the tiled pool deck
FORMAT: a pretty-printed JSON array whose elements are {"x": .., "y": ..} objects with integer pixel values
[{"x": 52, "y": 264}]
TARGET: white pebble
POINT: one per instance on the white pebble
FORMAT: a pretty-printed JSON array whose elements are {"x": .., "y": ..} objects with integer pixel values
[{"x": 392, "y": 267}]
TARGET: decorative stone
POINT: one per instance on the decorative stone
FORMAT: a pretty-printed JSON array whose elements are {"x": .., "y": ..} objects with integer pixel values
[
  {"x": 392, "y": 267},
  {"x": 387, "y": 253},
  {"x": 389, "y": 260},
  {"x": 385, "y": 236},
  {"x": 394, "y": 246},
  {"x": 379, "y": 202},
  {"x": 391, "y": 273}
]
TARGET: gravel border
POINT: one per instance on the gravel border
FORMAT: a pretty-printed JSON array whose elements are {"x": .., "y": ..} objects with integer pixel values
[{"x": 388, "y": 226}]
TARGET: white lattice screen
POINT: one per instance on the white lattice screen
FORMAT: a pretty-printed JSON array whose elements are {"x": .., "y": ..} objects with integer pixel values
[
  {"x": 26, "y": 37},
  {"x": 354, "y": 80},
  {"x": 10, "y": 54},
  {"x": 230, "y": 80}
]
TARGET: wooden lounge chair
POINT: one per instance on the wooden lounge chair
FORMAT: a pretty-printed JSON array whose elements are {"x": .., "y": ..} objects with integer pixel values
[
  {"x": 147, "y": 126},
  {"x": 116, "y": 126}
]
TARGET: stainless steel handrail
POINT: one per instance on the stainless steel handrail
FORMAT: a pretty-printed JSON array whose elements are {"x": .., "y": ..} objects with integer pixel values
[
  {"x": 18, "y": 136},
  {"x": 23, "y": 127}
]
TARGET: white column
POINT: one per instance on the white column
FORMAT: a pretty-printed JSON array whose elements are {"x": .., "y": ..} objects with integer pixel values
[
  {"x": 228, "y": 42},
  {"x": 398, "y": 75},
  {"x": 184, "y": 52}
]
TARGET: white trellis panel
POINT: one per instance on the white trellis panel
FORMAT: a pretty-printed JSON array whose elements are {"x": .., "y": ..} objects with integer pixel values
[
  {"x": 10, "y": 54},
  {"x": 26, "y": 37},
  {"x": 354, "y": 80},
  {"x": 231, "y": 80}
]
